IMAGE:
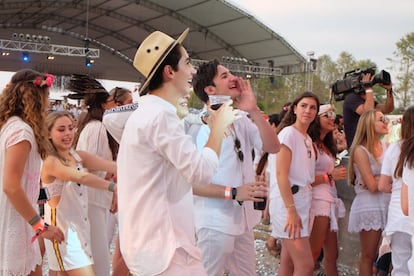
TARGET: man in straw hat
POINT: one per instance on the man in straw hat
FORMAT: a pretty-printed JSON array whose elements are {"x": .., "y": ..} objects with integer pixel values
[{"x": 157, "y": 163}]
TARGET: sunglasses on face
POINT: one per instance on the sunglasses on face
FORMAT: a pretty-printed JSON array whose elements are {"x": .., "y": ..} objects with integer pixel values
[
  {"x": 329, "y": 115},
  {"x": 117, "y": 93},
  {"x": 384, "y": 120},
  {"x": 237, "y": 147}
]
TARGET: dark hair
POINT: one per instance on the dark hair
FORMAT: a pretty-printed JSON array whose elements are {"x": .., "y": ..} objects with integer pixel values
[
  {"x": 338, "y": 118},
  {"x": 407, "y": 146},
  {"x": 274, "y": 119},
  {"x": 95, "y": 111},
  {"x": 119, "y": 94},
  {"x": 204, "y": 77},
  {"x": 172, "y": 60},
  {"x": 290, "y": 116},
  {"x": 328, "y": 141}
]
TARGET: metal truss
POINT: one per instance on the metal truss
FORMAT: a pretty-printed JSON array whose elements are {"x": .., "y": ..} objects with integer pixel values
[
  {"x": 51, "y": 49},
  {"x": 247, "y": 70}
]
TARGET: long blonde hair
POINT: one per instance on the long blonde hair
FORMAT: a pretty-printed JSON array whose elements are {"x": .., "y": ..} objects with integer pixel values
[
  {"x": 29, "y": 101},
  {"x": 364, "y": 136}
]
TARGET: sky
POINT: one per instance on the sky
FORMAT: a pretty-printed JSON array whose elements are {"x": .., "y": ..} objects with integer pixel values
[{"x": 367, "y": 29}]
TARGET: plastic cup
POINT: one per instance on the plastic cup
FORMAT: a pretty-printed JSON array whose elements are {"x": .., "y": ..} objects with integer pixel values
[{"x": 217, "y": 100}]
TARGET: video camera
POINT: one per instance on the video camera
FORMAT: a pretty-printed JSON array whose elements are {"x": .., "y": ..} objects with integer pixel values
[{"x": 352, "y": 82}]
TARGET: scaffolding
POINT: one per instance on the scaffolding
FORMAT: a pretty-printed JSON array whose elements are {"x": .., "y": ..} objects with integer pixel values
[
  {"x": 247, "y": 70},
  {"x": 51, "y": 49}
]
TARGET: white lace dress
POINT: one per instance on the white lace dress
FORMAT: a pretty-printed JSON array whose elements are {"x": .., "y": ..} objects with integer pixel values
[
  {"x": 18, "y": 256},
  {"x": 368, "y": 210}
]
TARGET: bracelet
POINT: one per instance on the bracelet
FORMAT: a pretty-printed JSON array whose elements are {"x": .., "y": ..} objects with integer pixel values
[
  {"x": 39, "y": 228},
  {"x": 35, "y": 220},
  {"x": 227, "y": 193},
  {"x": 369, "y": 91},
  {"x": 326, "y": 178},
  {"x": 111, "y": 186},
  {"x": 290, "y": 206}
]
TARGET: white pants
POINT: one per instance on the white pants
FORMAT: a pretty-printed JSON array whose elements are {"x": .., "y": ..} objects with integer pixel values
[
  {"x": 183, "y": 264},
  {"x": 98, "y": 219},
  {"x": 221, "y": 251},
  {"x": 401, "y": 253}
]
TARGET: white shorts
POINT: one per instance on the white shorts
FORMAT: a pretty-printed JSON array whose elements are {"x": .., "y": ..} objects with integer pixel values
[
  {"x": 278, "y": 212},
  {"x": 67, "y": 255},
  {"x": 333, "y": 210}
]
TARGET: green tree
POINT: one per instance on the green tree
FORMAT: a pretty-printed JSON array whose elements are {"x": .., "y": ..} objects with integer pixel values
[{"x": 405, "y": 77}]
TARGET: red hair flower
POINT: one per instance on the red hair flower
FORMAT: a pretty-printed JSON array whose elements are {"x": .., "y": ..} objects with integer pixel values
[
  {"x": 47, "y": 81},
  {"x": 38, "y": 81}
]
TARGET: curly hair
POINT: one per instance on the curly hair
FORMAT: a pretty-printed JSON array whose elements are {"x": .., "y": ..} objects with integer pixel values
[{"x": 23, "y": 98}]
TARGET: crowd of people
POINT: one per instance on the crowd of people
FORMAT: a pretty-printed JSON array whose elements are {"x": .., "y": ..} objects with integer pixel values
[{"x": 184, "y": 188}]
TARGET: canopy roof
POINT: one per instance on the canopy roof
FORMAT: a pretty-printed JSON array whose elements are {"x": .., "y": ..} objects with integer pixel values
[{"x": 116, "y": 27}]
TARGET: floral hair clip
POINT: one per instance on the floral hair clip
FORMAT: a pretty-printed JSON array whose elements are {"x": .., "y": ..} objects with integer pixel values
[{"x": 46, "y": 81}]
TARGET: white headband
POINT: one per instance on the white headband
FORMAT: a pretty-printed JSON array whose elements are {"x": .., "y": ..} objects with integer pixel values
[{"x": 324, "y": 108}]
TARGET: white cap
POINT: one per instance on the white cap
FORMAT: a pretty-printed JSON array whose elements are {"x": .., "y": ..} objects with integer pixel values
[{"x": 324, "y": 108}]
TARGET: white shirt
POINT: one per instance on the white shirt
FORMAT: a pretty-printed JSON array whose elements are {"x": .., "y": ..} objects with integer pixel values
[
  {"x": 94, "y": 140},
  {"x": 223, "y": 215},
  {"x": 396, "y": 220},
  {"x": 156, "y": 164}
]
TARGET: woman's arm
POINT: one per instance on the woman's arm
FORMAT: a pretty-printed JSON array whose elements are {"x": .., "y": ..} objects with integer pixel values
[
  {"x": 53, "y": 168},
  {"x": 294, "y": 223},
  {"x": 14, "y": 162},
  {"x": 96, "y": 163},
  {"x": 404, "y": 199},
  {"x": 362, "y": 161},
  {"x": 385, "y": 183}
]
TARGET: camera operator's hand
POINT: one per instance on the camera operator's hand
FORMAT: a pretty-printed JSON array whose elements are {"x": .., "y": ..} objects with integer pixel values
[
  {"x": 388, "y": 87},
  {"x": 366, "y": 81}
]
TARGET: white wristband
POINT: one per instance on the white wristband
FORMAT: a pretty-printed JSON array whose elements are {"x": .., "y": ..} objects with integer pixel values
[{"x": 369, "y": 91}]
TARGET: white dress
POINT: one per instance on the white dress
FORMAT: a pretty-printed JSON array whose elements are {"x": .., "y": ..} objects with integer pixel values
[
  {"x": 71, "y": 216},
  {"x": 368, "y": 210},
  {"x": 18, "y": 256},
  {"x": 302, "y": 174}
]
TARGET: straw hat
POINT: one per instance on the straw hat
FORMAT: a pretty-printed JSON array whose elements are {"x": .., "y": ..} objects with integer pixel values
[{"x": 152, "y": 52}]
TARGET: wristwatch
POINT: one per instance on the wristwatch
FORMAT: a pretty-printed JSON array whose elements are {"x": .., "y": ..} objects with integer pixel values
[{"x": 233, "y": 193}]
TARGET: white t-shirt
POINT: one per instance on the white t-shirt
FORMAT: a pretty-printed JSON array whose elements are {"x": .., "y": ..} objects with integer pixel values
[{"x": 302, "y": 165}]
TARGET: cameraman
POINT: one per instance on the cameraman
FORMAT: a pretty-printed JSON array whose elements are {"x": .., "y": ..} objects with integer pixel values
[{"x": 356, "y": 104}]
